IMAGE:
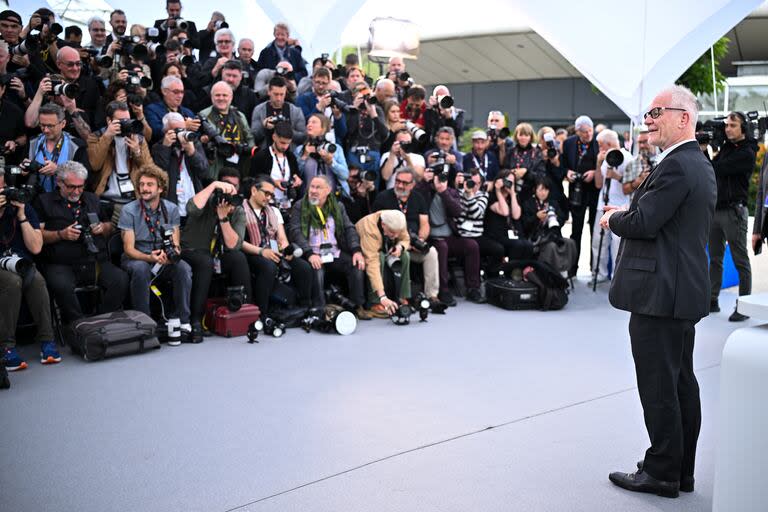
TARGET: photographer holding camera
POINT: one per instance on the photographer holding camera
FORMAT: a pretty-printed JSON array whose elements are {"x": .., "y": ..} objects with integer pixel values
[
  {"x": 321, "y": 100},
  {"x": 522, "y": 158},
  {"x": 579, "y": 157},
  {"x": 229, "y": 138},
  {"x": 283, "y": 48},
  {"x": 172, "y": 91},
  {"x": 367, "y": 130},
  {"x": 174, "y": 21},
  {"x": 281, "y": 165},
  {"x": 640, "y": 167},
  {"x": 444, "y": 208},
  {"x": 499, "y": 141},
  {"x": 610, "y": 181},
  {"x": 75, "y": 234},
  {"x": 401, "y": 155},
  {"x": 414, "y": 107},
  {"x": 206, "y": 37},
  {"x": 78, "y": 93},
  {"x": 245, "y": 51},
  {"x": 116, "y": 153},
  {"x": 384, "y": 241},
  {"x": 276, "y": 110},
  {"x": 182, "y": 156},
  {"x": 10, "y": 33},
  {"x": 401, "y": 79},
  {"x": 362, "y": 194},
  {"x": 733, "y": 166},
  {"x": 212, "y": 239},
  {"x": 549, "y": 164},
  {"x": 13, "y": 136},
  {"x": 445, "y": 159},
  {"x": 442, "y": 113},
  {"x": 319, "y": 225},
  {"x": 20, "y": 239},
  {"x": 225, "y": 51},
  {"x": 503, "y": 219},
  {"x": 266, "y": 246},
  {"x": 318, "y": 157},
  {"x": 150, "y": 231},
  {"x": 285, "y": 71},
  {"x": 480, "y": 158},
  {"x": 416, "y": 211},
  {"x": 51, "y": 148}
]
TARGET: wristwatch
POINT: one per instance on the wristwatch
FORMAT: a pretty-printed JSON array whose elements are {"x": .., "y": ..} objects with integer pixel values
[{"x": 224, "y": 220}]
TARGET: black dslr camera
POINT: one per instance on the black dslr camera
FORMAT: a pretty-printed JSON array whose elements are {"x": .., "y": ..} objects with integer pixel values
[
  {"x": 60, "y": 88},
  {"x": 22, "y": 194},
  {"x": 130, "y": 127},
  {"x": 577, "y": 191},
  {"x": 218, "y": 196},
  {"x": 338, "y": 103},
  {"x": 320, "y": 143},
  {"x": 169, "y": 248},
  {"x": 418, "y": 244}
]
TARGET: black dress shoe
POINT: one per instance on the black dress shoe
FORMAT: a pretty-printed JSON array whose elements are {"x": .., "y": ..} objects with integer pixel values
[
  {"x": 474, "y": 295},
  {"x": 737, "y": 317},
  {"x": 714, "y": 307},
  {"x": 447, "y": 298},
  {"x": 643, "y": 482},
  {"x": 686, "y": 482}
]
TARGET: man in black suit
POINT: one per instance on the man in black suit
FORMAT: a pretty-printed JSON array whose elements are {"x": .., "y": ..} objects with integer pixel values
[
  {"x": 662, "y": 279},
  {"x": 580, "y": 160},
  {"x": 173, "y": 8},
  {"x": 279, "y": 163}
]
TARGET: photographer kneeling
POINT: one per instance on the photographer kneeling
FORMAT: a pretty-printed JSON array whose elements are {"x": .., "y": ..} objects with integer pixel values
[
  {"x": 384, "y": 240},
  {"x": 21, "y": 238},
  {"x": 265, "y": 246},
  {"x": 414, "y": 207},
  {"x": 542, "y": 220},
  {"x": 150, "y": 229},
  {"x": 211, "y": 241},
  {"x": 75, "y": 244}
]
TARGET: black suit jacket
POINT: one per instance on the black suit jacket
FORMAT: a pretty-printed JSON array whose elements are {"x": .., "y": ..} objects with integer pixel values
[
  {"x": 191, "y": 31},
  {"x": 662, "y": 267}
]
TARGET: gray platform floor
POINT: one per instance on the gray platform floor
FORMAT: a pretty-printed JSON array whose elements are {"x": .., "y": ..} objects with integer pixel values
[{"x": 388, "y": 419}]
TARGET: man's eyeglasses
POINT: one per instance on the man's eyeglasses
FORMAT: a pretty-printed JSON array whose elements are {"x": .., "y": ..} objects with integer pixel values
[
  {"x": 70, "y": 64},
  {"x": 656, "y": 112},
  {"x": 403, "y": 183},
  {"x": 44, "y": 126},
  {"x": 267, "y": 193},
  {"x": 224, "y": 41},
  {"x": 73, "y": 187}
]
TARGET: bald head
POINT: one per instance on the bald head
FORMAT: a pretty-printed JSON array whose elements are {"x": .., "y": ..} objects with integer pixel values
[
  {"x": 221, "y": 96},
  {"x": 68, "y": 62}
]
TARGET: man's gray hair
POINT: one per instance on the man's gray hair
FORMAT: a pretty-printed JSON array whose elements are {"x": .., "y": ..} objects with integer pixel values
[
  {"x": 52, "y": 108},
  {"x": 382, "y": 82},
  {"x": 94, "y": 19},
  {"x": 223, "y": 32},
  {"x": 171, "y": 117},
  {"x": 682, "y": 97},
  {"x": 247, "y": 39},
  {"x": 406, "y": 170},
  {"x": 446, "y": 129},
  {"x": 608, "y": 136},
  {"x": 322, "y": 177},
  {"x": 72, "y": 167},
  {"x": 393, "y": 219},
  {"x": 583, "y": 122},
  {"x": 170, "y": 80}
]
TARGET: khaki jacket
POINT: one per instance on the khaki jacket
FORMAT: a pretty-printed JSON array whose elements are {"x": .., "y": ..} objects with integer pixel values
[
  {"x": 101, "y": 154},
  {"x": 372, "y": 243}
]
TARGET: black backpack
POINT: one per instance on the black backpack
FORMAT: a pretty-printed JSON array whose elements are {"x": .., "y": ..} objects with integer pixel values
[{"x": 552, "y": 287}]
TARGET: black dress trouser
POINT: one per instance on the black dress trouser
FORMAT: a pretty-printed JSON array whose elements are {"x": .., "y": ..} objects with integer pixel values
[
  {"x": 233, "y": 263},
  {"x": 663, "y": 352}
]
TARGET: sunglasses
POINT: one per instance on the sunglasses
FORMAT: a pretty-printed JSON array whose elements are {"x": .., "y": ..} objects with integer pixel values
[
  {"x": 267, "y": 193},
  {"x": 75, "y": 64},
  {"x": 656, "y": 112},
  {"x": 403, "y": 183}
]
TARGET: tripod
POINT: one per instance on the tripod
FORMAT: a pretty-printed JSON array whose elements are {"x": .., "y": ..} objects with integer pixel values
[{"x": 596, "y": 271}]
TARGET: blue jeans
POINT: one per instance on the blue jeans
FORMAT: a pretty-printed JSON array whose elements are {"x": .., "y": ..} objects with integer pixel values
[
  {"x": 179, "y": 275},
  {"x": 372, "y": 161}
]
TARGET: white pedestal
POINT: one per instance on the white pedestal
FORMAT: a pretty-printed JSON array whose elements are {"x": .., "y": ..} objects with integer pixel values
[{"x": 741, "y": 479}]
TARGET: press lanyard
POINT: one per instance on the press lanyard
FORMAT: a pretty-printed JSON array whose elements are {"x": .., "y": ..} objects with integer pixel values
[
  {"x": 76, "y": 214},
  {"x": 322, "y": 219},
  {"x": 280, "y": 165},
  {"x": 153, "y": 227},
  {"x": 485, "y": 162}
]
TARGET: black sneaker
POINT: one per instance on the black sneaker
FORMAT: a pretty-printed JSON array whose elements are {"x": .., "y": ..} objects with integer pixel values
[
  {"x": 447, "y": 298},
  {"x": 714, "y": 307},
  {"x": 194, "y": 336},
  {"x": 474, "y": 295}
]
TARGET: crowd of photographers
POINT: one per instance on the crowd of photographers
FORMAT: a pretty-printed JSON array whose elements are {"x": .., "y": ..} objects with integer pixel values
[{"x": 168, "y": 156}]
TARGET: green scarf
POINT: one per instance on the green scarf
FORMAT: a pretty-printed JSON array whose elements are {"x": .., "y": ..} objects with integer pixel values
[{"x": 311, "y": 219}]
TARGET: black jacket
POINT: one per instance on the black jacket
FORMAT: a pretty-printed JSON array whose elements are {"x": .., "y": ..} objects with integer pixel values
[
  {"x": 733, "y": 166},
  {"x": 197, "y": 166},
  {"x": 191, "y": 31},
  {"x": 262, "y": 163},
  {"x": 661, "y": 266}
]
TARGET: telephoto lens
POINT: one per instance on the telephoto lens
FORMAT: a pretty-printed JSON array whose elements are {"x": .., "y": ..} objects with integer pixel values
[{"x": 614, "y": 158}]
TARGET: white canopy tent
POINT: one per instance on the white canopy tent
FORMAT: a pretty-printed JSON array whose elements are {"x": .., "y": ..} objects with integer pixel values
[{"x": 628, "y": 52}]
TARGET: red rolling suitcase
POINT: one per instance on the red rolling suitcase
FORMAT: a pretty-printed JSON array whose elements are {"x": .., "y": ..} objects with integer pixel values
[
  {"x": 211, "y": 305},
  {"x": 234, "y": 323}
]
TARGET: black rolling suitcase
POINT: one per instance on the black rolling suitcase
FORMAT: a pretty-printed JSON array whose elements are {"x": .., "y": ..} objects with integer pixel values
[
  {"x": 112, "y": 334},
  {"x": 511, "y": 294}
]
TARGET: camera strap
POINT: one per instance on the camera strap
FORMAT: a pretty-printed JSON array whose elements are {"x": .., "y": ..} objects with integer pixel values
[
  {"x": 77, "y": 210},
  {"x": 154, "y": 226}
]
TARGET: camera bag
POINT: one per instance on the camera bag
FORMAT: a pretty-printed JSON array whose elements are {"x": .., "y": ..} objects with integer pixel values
[
  {"x": 511, "y": 294},
  {"x": 112, "y": 334},
  {"x": 234, "y": 323}
]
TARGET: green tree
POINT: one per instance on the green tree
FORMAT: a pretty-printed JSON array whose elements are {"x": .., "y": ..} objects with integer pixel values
[{"x": 698, "y": 77}]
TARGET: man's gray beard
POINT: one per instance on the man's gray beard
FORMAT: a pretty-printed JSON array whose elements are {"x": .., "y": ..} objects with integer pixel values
[{"x": 314, "y": 201}]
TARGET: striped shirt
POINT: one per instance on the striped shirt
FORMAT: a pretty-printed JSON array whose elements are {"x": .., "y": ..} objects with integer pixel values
[{"x": 470, "y": 222}]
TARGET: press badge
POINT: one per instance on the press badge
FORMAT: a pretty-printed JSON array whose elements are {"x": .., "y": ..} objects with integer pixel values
[
  {"x": 326, "y": 254},
  {"x": 216, "y": 266},
  {"x": 467, "y": 225},
  {"x": 511, "y": 234},
  {"x": 126, "y": 186},
  {"x": 273, "y": 245},
  {"x": 234, "y": 159}
]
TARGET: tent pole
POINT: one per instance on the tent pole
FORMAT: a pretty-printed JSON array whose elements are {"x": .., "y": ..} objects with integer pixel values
[{"x": 714, "y": 86}]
